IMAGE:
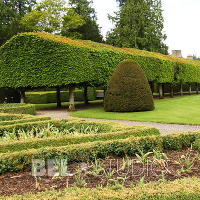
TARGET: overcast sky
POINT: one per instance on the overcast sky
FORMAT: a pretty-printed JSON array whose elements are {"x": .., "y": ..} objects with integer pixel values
[{"x": 181, "y": 22}]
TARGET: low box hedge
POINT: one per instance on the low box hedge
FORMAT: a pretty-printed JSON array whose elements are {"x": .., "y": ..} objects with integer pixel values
[
  {"x": 69, "y": 139},
  {"x": 13, "y": 119},
  {"x": 9, "y": 117},
  {"x": 25, "y": 120},
  {"x": 99, "y": 149},
  {"x": 63, "y": 124},
  {"x": 182, "y": 189},
  {"x": 197, "y": 144},
  {"x": 24, "y": 126},
  {"x": 50, "y": 96},
  {"x": 18, "y": 108}
]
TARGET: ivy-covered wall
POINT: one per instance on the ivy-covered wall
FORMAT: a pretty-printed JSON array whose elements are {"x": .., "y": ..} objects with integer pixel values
[{"x": 42, "y": 59}]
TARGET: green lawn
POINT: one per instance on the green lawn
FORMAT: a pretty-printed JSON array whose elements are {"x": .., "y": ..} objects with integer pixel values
[{"x": 181, "y": 110}]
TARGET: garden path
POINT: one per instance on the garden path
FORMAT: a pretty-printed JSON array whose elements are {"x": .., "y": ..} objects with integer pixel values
[{"x": 163, "y": 128}]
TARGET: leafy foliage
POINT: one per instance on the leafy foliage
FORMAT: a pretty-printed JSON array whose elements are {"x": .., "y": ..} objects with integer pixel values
[
  {"x": 18, "y": 108},
  {"x": 139, "y": 24},
  {"x": 42, "y": 59},
  {"x": 51, "y": 16},
  {"x": 11, "y": 13},
  {"x": 90, "y": 29},
  {"x": 128, "y": 90}
]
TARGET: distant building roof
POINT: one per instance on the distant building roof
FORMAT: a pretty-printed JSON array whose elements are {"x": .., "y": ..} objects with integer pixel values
[
  {"x": 177, "y": 53},
  {"x": 191, "y": 57}
]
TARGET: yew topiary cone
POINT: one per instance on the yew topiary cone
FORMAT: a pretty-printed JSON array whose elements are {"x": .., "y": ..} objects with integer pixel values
[{"x": 128, "y": 90}]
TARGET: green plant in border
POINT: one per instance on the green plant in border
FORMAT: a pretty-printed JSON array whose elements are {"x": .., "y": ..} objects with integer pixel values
[
  {"x": 186, "y": 163},
  {"x": 143, "y": 157}
]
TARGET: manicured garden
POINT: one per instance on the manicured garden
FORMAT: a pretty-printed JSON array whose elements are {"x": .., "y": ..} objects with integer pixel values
[
  {"x": 77, "y": 159},
  {"x": 107, "y": 157}
]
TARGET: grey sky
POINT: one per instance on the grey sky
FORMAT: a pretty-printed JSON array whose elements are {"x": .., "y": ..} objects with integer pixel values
[{"x": 181, "y": 22}]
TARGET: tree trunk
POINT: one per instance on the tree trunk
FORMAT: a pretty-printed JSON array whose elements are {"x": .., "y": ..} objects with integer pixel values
[
  {"x": 22, "y": 96},
  {"x": 86, "y": 95},
  {"x": 104, "y": 93},
  {"x": 163, "y": 90},
  {"x": 197, "y": 88},
  {"x": 172, "y": 90},
  {"x": 181, "y": 89},
  {"x": 152, "y": 86},
  {"x": 190, "y": 89},
  {"x": 160, "y": 85},
  {"x": 71, "y": 99},
  {"x": 58, "y": 97}
]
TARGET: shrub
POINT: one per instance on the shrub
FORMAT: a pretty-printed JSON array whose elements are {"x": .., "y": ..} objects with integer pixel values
[
  {"x": 6, "y": 117},
  {"x": 128, "y": 90},
  {"x": 18, "y": 108},
  {"x": 197, "y": 144},
  {"x": 16, "y": 120}
]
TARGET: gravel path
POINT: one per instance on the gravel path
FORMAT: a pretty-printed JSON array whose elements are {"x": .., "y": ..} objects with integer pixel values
[{"x": 163, "y": 128}]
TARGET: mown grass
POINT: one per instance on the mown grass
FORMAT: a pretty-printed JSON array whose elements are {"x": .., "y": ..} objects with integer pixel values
[{"x": 180, "y": 110}]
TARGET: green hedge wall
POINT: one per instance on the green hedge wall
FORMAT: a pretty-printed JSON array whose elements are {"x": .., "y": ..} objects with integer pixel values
[
  {"x": 50, "y": 96},
  {"x": 46, "y": 60},
  {"x": 18, "y": 108}
]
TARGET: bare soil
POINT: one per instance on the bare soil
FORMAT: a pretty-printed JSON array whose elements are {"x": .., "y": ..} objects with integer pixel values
[{"x": 112, "y": 171}]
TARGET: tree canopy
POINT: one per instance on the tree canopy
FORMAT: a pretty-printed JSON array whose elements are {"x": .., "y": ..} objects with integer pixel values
[
  {"x": 139, "y": 24},
  {"x": 11, "y": 13},
  {"x": 52, "y": 16},
  {"x": 90, "y": 30}
]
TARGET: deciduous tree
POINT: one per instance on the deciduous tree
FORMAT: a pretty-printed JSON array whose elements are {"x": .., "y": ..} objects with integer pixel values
[
  {"x": 11, "y": 12},
  {"x": 90, "y": 30}
]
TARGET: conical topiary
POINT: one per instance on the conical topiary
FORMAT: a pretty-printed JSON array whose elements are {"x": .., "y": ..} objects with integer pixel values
[{"x": 128, "y": 90}]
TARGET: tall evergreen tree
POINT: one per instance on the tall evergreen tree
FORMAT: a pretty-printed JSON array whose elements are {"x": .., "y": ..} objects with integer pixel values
[
  {"x": 90, "y": 30},
  {"x": 139, "y": 24},
  {"x": 11, "y": 11}
]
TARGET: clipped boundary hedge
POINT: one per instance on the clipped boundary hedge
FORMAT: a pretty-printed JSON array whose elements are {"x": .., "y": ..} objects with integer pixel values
[
  {"x": 13, "y": 119},
  {"x": 18, "y": 108},
  {"x": 68, "y": 140},
  {"x": 10, "y": 117},
  {"x": 50, "y": 96},
  {"x": 29, "y": 60},
  {"x": 182, "y": 189},
  {"x": 88, "y": 151},
  {"x": 25, "y": 120}
]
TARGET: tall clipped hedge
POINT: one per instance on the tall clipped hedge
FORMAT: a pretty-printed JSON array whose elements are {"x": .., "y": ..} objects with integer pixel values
[{"x": 41, "y": 59}]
